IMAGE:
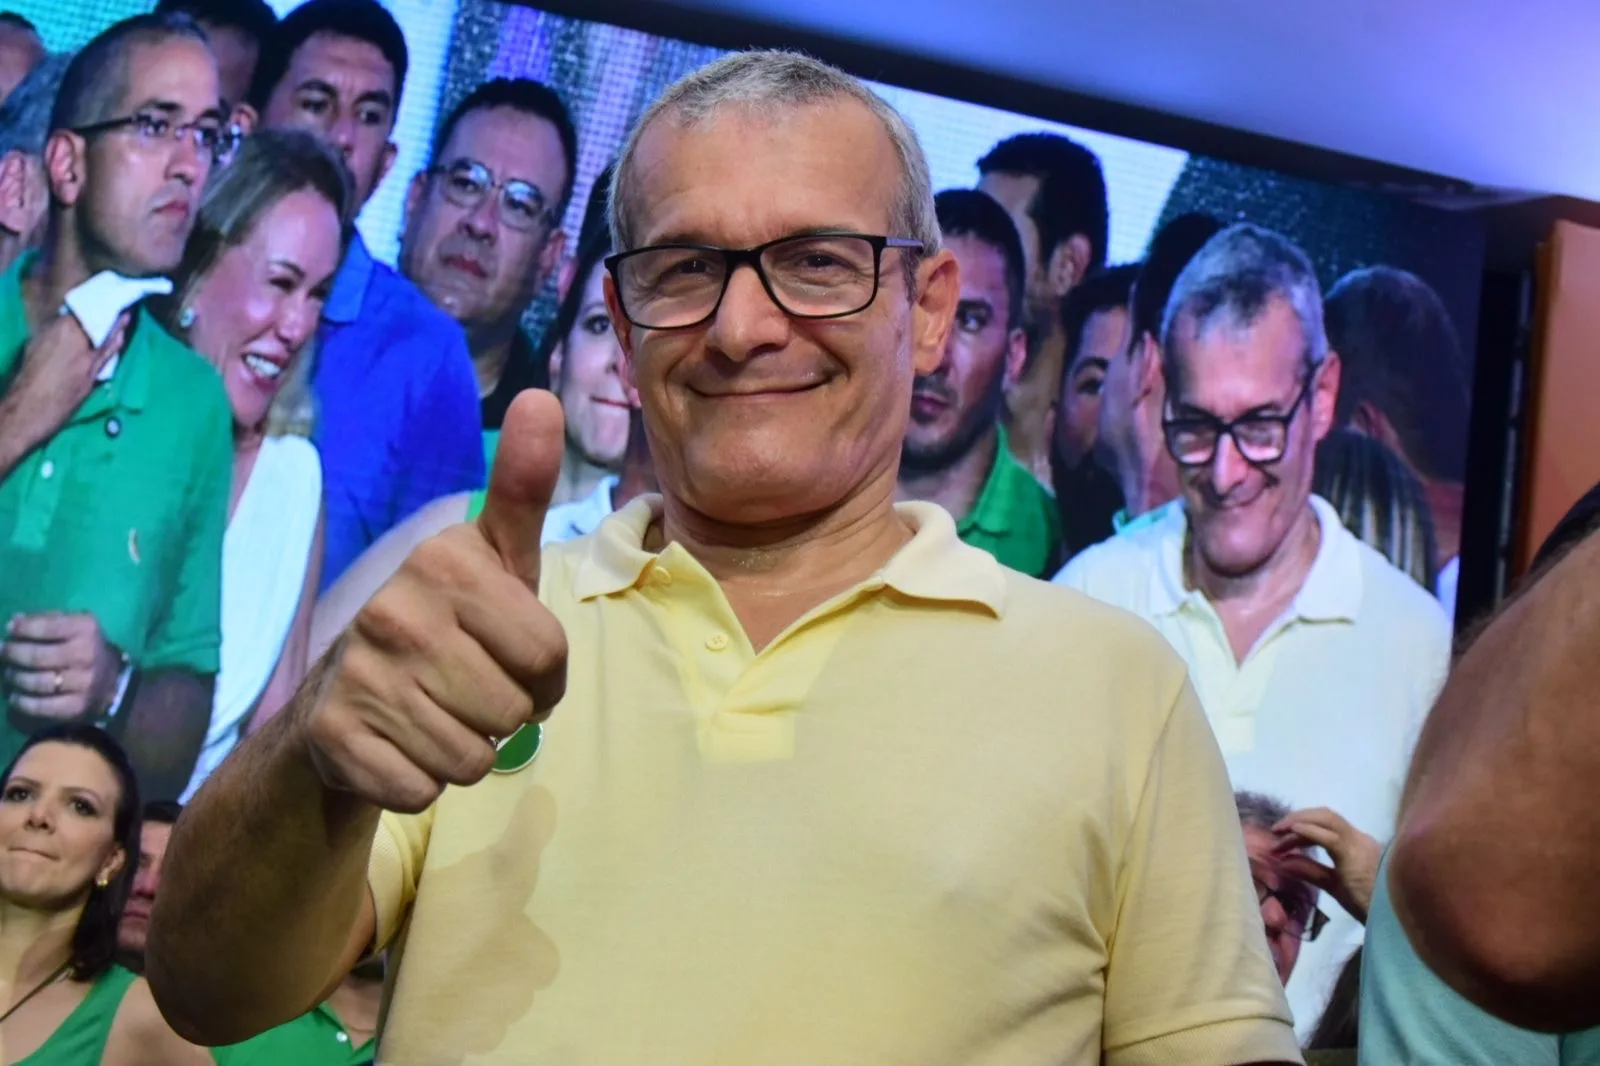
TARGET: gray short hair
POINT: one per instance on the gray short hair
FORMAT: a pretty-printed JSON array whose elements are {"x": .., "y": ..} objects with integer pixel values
[
  {"x": 1258, "y": 811},
  {"x": 25, "y": 116},
  {"x": 1232, "y": 279},
  {"x": 767, "y": 83}
]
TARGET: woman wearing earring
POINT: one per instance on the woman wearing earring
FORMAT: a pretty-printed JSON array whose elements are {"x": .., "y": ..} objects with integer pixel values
[
  {"x": 248, "y": 297},
  {"x": 69, "y": 835}
]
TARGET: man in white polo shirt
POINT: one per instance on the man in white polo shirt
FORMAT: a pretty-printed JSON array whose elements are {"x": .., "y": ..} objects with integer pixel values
[{"x": 1315, "y": 660}]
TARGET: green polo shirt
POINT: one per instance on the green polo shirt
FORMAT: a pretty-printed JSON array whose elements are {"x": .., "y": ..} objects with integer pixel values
[
  {"x": 1015, "y": 519},
  {"x": 122, "y": 512},
  {"x": 316, "y": 1038}
]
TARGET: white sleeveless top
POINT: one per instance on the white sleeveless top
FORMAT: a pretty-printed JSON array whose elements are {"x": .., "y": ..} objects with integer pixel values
[{"x": 265, "y": 553}]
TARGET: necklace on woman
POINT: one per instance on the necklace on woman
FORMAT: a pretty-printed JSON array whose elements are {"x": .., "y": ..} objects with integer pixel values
[{"x": 60, "y": 972}]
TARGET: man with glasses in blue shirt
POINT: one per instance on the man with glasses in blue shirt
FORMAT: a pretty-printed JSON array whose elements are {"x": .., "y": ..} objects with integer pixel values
[
  {"x": 1315, "y": 659},
  {"x": 115, "y": 461},
  {"x": 397, "y": 409},
  {"x": 483, "y": 226}
]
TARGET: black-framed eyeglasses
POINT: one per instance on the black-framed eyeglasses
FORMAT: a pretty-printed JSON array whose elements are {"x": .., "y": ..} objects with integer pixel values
[
  {"x": 1300, "y": 911},
  {"x": 813, "y": 275},
  {"x": 155, "y": 130},
  {"x": 523, "y": 205},
  {"x": 1262, "y": 439}
]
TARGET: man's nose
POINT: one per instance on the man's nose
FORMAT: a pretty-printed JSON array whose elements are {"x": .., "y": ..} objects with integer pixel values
[{"x": 1229, "y": 467}]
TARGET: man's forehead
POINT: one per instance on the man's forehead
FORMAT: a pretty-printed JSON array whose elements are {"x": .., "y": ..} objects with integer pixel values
[
  {"x": 345, "y": 62},
  {"x": 743, "y": 175},
  {"x": 175, "y": 70},
  {"x": 513, "y": 143}
]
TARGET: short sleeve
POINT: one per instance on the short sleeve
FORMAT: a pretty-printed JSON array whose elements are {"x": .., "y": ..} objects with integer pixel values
[
  {"x": 1408, "y": 1015},
  {"x": 1189, "y": 981},
  {"x": 395, "y": 867},
  {"x": 188, "y": 633}
]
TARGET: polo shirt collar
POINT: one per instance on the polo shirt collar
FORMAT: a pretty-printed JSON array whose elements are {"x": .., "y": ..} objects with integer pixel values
[
  {"x": 129, "y": 387},
  {"x": 343, "y": 304},
  {"x": 1331, "y": 591},
  {"x": 935, "y": 565},
  {"x": 991, "y": 511}
]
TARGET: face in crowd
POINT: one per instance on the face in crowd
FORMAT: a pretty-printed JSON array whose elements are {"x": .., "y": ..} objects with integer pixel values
[
  {"x": 1078, "y": 412},
  {"x": 586, "y": 373},
  {"x": 58, "y": 827},
  {"x": 1288, "y": 905},
  {"x": 255, "y": 310},
  {"x": 1241, "y": 508},
  {"x": 343, "y": 90},
  {"x": 954, "y": 405},
  {"x": 755, "y": 415},
  {"x": 134, "y": 183},
  {"x": 133, "y": 931},
  {"x": 236, "y": 52},
  {"x": 20, "y": 51},
  {"x": 478, "y": 251}
]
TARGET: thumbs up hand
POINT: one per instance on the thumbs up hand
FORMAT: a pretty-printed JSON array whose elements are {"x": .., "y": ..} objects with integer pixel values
[{"x": 455, "y": 652}]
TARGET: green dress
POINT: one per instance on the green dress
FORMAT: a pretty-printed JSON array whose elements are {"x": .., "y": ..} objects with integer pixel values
[{"x": 81, "y": 1039}]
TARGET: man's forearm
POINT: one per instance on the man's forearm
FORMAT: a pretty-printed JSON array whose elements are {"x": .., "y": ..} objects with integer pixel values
[
  {"x": 1494, "y": 864},
  {"x": 265, "y": 881},
  {"x": 164, "y": 728},
  {"x": 17, "y": 435}
]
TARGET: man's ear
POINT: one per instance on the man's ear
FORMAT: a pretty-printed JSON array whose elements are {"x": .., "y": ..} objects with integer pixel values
[
  {"x": 391, "y": 151},
  {"x": 14, "y": 193},
  {"x": 1069, "y": 264},
  {"x": 65, "y": 161},
  {"x": 1325, "y": 395},
  {"x": 550, "y": 259},
  {"x": 934, "y": 309},
  {"x": 415, "y": 191},
  {"x": 1017, "y": 359},
  {"x": 1148, "y": 377}
]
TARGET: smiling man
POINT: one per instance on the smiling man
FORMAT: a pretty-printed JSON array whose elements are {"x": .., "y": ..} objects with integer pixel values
[
  {"x": 483, "y": 226},
  {"x": 115, "y": 462},
  {"x": 397, "y": 420},
  {"x": 955, "y": 451},
  {"x": 744, "y": 838},
  {"x": 1315, "y": 659}
]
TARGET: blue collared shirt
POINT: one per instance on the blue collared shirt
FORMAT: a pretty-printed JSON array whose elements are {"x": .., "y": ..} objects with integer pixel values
[{"x": 398, "y": 420}]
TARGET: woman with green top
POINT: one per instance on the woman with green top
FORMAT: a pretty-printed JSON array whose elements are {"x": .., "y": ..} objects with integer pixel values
[{"x": 69, "y": 834}]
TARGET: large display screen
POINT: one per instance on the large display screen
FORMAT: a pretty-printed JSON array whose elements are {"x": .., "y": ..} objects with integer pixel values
[{"x": 1392, "y": 468}]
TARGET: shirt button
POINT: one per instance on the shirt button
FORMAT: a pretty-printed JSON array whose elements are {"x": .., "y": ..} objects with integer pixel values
[
  {"x": 660, "y": 575},
  {"x": 113, "y": 427},
  {"x": 47, "y": 469},
  {"x": 343, "y": 1038},
  {"x": 717, "y": 641}
]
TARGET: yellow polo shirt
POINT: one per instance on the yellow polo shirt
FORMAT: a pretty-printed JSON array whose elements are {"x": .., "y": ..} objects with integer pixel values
[{"x": 955, "y": 815}]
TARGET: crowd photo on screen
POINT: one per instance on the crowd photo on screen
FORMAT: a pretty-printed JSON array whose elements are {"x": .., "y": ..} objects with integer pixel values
[{"x": 274, "y": 274}]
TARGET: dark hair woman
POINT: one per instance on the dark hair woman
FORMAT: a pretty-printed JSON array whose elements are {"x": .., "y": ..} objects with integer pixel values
[{"x": 69, "y": 829}]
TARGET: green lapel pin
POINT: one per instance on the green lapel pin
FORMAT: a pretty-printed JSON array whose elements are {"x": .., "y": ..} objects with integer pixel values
[{"x": 518, "y": 750}]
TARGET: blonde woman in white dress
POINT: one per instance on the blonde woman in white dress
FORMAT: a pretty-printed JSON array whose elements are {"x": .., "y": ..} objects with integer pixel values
[{"x": 248, "y": 297}]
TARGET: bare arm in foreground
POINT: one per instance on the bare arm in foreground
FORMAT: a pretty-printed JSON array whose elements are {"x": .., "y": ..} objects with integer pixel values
[
  {"x": 264, "y": 904},
  {"x": 1494, "y": 866}
]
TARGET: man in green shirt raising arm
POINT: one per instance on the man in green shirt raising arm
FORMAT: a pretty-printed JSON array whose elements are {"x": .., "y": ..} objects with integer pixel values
[{"x": 115, "y": 460}]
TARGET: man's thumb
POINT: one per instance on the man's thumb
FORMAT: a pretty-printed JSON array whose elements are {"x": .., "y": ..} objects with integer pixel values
[{"x": 527, "y": 464}]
